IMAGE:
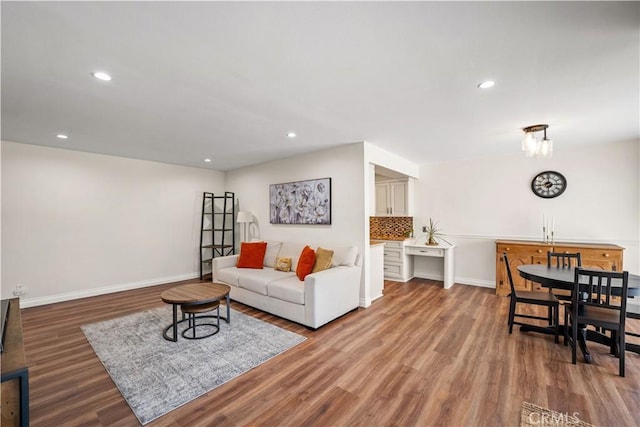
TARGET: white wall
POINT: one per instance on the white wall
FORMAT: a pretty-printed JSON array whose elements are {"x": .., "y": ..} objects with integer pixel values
[
  {"x": 344, "y": 165},
  {"x": 479, "y": 201},
  {"x": 77, "y": 224}
]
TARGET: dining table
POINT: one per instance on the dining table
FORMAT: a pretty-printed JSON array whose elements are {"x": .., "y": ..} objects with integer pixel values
[{"x": 563, "y": 278}]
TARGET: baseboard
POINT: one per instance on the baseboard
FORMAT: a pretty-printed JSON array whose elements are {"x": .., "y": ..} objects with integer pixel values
[
  {"x": 364, "y": 303},
  {"x": 68, "y": 296},
  {"x": 460, "y": 280},
  {"x": 475, "y": 282}
]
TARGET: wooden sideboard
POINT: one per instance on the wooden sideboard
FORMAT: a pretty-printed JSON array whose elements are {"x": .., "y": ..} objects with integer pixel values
[{"x": 519, "y": 252}]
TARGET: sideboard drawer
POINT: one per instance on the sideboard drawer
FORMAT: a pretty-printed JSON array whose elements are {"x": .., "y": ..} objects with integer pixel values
[{"x": 518, "y": 249}]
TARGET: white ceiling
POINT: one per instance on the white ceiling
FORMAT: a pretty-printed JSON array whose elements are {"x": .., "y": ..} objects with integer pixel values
[{"x": 228, "y": 80}]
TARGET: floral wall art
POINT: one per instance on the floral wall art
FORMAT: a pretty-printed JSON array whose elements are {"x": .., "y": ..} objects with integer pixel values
[{"x": 301, "y": 202}]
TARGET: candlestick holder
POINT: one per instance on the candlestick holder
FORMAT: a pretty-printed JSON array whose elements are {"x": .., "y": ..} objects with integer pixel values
[
  {"x": 552, "y": 237},
  {"x": 544, "y": 234}
]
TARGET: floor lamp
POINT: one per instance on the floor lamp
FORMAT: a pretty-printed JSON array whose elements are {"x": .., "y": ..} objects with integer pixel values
[{"x": 244, "y": 219}]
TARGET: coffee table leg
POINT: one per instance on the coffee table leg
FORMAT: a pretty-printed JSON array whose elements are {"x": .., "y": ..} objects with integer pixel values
[
  {"x": 173, "y": 326},
  {"x": 175, "y": 322},
  {"x": 228, "y": 309}
]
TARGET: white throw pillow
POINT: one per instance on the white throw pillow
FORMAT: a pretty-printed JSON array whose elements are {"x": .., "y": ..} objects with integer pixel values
[{"x": 344, "y": 255}]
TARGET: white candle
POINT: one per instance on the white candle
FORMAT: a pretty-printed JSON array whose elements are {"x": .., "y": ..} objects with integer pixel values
[
  {"x": 553, "y": 224},
  {"x": 544, "y": 220}
]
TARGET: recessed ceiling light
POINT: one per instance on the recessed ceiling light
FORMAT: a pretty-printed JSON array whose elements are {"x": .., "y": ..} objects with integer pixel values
[
  {"x": 487, "y": 84},
  {"x": 100, "y": 75},
  {"x": 62, "y": 136},
  {"x": 207, "y": 160},
  {"x": 291, "y": 134}
]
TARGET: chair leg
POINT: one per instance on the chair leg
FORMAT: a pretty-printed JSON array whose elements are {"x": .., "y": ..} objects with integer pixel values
[
  {"x": 574, "y": 341},
  {"x": 622, "y": 351},
  {"x": 556, "y": 319},
  {"x": 512, "y": 313},
  {"x": 566, "y": 327}
]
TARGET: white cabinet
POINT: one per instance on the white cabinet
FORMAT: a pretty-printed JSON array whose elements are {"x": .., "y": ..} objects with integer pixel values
[
  {"x": 397, "y": 264},
  {"x": 391, "y": 198},
  {"x": 417, "y": 248},
  {"x": 376, "y": 275}
]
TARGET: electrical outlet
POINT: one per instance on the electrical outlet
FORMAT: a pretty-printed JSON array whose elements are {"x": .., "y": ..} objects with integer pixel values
[
  {"x": 424, "y": 228},
  {"x": 19, "y": 290}
]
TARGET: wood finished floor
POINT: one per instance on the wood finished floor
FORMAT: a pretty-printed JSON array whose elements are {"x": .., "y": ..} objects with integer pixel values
[{"x": 419, "y": 356}]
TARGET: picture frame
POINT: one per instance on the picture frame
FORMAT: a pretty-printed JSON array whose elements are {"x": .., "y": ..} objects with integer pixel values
[{"x": 301, "y": 202}]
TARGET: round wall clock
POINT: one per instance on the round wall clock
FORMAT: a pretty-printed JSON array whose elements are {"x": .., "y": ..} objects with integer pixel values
[{"x": 548, "y": 184}]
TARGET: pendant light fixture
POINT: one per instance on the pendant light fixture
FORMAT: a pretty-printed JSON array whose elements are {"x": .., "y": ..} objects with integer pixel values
[{"x": 534, "y": 147}]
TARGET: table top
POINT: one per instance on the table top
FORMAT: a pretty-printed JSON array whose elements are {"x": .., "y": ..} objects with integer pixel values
[
  {"x": 195, "y": 292},
  {"x": 562, "y": 278}
]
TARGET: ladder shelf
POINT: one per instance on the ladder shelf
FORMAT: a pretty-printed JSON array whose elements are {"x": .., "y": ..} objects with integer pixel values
[{"x": 218, "y": 228}]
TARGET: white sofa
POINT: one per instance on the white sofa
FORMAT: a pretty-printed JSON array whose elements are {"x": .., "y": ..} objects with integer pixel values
[{"x": 322, "y": 296}]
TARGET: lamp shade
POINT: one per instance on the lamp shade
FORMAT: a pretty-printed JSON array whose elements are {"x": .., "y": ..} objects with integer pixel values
[
  {"x": 534, "y": 147},
  {"x": 245, "y": 216}
]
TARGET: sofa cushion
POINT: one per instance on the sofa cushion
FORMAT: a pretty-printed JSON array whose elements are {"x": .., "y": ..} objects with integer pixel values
[
  {"x": 305, "y": 262},
  {"x": 283, "y": 264},
  {"x": 323, "y": 260},
  {"x": 292, "y": 250},
  {"x": 290, "y": 289},
  {"x": 273, "y": 248},
  {"x": 257, "y": 280},
  {"x": 229, "y": 275},
  {"x": 344, "y": 255},
  {"x": 252, "y": 255}
]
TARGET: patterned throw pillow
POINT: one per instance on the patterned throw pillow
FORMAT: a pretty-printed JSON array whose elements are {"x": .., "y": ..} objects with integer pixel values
[{"x": 282, "y": 264}]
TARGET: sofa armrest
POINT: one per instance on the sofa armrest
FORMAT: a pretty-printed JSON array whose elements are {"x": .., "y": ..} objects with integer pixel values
[
  {"x": 331, "y": 293},
  {"x": 222, "y": 262}
]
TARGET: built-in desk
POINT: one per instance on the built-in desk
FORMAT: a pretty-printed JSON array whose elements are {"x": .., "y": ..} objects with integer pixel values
[{"x": 443, "y": 250}]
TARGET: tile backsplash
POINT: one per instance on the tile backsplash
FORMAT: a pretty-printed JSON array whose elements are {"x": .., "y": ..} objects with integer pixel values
[{"x": 381, "y": 227}]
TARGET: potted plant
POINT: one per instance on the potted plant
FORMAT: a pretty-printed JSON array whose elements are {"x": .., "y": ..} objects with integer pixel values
[{"x": 433, "y": 233}]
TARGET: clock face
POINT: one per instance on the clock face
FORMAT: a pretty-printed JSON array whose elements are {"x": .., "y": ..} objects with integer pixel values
[{"x": 548, "y": 184}]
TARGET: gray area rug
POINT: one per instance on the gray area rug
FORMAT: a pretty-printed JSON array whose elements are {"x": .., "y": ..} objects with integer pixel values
[{"x": 156, "y": 376}]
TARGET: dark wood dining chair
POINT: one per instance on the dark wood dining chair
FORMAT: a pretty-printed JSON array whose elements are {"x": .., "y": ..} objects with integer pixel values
[
  {"x": 544, "y": 299},
  {"x": 593, "y": 303},
  {"x": 563, "y": 260},
  {"x": 633, "y": 312}
]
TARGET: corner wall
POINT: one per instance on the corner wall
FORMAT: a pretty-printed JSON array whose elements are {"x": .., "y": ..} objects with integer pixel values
[
  {"x": 344, "y": 165},
  {"x": 76, "y": 224}
]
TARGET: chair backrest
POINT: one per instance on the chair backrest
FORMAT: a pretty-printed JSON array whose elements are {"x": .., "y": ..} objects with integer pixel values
[
  {"x": 596, "y": 288},
  {"x": 564, "y": 260},
  {"x": 509, "y": 276}
]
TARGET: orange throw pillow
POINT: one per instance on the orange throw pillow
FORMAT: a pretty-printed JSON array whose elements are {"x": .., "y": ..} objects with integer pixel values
[
  {"x": 305, "y": 263},
  {"x": 252, "y": 255}
]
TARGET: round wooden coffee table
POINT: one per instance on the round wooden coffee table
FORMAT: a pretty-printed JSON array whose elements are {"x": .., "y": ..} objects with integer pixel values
[{"x": 193, "y": 294}]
